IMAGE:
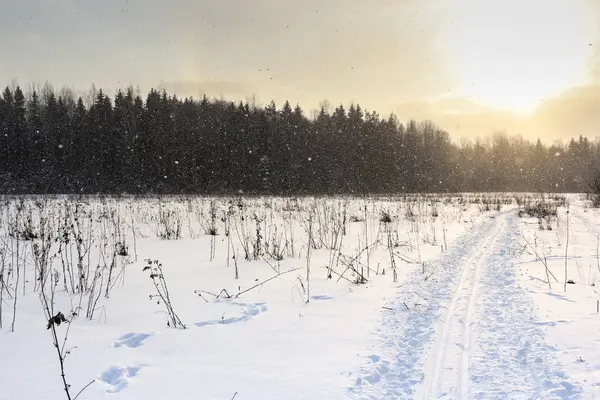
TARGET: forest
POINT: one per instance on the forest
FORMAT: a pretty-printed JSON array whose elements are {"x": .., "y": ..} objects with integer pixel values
[{"x": 55, "y": 142}]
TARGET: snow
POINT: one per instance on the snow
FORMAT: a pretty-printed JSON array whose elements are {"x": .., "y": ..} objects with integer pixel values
[
  {"x": 467, "y": 314},
  {"x": 567, "y": 319}
]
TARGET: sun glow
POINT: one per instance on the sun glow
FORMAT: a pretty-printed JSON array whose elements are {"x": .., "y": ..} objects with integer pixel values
[{"x": 512, "y": 54}]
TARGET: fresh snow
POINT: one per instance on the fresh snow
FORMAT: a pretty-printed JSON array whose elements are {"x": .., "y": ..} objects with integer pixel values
[{"x": 470, "y": 315}]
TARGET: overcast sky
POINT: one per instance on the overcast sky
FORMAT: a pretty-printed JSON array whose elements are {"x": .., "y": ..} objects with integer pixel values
[{"x": 471, "y": 66}]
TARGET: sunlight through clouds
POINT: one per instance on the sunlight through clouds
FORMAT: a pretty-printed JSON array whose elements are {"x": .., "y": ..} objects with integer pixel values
[
  {"x": 500, "y": 61},
  {"x": 513, "y": 54}
]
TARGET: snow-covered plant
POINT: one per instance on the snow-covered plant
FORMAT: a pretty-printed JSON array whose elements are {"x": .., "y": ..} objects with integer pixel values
[
  {"x": 55, "y": 319},
  {"x": 258, "y": 250},
  {"x": 3, "y": 285},
  {"x": 168, "y": 224},
  {"x": 210, "y": 225},
  {"x": 162, "y": 292},
  {"x": 390, "y": 245}
]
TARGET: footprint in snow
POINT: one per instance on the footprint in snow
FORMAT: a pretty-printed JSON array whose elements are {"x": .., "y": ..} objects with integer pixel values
[
  {"x": 374, "y": 358},
  {"x": 253, "y": 309},
  {"x": 550, "y": 323},
  {"x": 321, "y": 297},
  {"x": 561, "y": 297},
  {"x": 249, "y": 310},
  {"x": 382, "y": 367},
  {"x": 117, "y": 377},
  {"x": 131, "y": 340}
]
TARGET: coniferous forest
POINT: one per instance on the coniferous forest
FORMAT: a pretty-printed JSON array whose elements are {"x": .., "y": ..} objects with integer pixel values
[{"x": 160, "y": 144}]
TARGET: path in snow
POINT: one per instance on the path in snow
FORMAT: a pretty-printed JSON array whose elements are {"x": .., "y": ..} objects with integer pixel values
[
  {"x": 473, "y": 334},
  {"x": 512, "y": 359},
  {"x": 447, "y": 372}
]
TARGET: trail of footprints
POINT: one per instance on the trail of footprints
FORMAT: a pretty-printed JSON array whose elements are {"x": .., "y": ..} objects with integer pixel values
[
  {"x": 249, "y": 311},
  {"x": 118, "y": 377}
]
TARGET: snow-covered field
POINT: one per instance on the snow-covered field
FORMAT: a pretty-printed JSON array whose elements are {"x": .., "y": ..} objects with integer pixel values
[{"x": 409, "y": 297}]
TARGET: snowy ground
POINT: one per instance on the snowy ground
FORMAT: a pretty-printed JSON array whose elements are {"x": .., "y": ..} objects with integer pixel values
[
  {"x": 453, "y": 300},
  {"x": 567, "y": 319}
]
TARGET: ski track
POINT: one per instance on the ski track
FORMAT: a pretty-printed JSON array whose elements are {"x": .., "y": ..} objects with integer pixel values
[
  {"x": 452, "y": 345},
  {"x": 474, "y": 336}
]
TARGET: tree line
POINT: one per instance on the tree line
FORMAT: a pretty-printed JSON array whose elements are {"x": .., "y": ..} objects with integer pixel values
[{"x": 58, "y": 143}]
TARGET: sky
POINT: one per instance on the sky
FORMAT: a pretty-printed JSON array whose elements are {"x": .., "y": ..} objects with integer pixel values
[{"x": 473, "y": 67}]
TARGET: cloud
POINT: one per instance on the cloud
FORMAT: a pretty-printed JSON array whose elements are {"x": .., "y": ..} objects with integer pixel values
[
  {"x": 461, "y": 117},
  {"x": 569, "y": 114},
  {"x": 594, "y": 64},
  {"x": 33, "y": 38},
  {"x": 572, "y": 113},
  {"x": 386, "y": 55}
]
